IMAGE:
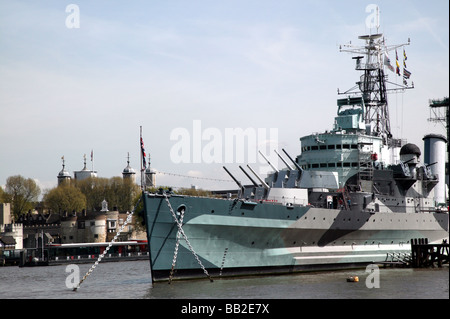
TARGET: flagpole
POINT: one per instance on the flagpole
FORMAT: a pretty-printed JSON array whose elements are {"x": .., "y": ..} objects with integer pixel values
[
  {"x": 142, "y": 160},
  {"x": 140, "y": 152}
]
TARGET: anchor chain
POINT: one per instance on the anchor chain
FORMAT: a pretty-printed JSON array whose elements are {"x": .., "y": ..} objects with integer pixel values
[
  {"x": 180, "y": 229},
  {"x": 176, "y": 248},
  {"x": 100, "y": 257}
]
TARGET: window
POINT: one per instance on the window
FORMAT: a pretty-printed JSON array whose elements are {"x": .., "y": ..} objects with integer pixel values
[{"x": 331, "y": 147}]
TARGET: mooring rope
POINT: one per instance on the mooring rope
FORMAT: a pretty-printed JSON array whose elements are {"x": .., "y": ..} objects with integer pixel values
[{"x": 100, "y": 257}]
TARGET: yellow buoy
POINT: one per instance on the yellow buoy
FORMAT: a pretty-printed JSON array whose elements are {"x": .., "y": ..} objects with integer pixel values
[{"x": 353, "y": 279}]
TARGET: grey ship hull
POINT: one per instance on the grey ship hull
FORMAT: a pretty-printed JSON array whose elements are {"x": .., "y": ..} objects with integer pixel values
[{"x": 234, "y": 237}]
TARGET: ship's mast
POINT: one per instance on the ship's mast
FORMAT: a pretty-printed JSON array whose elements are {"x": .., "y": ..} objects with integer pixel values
[{"x": 370, "y": 60}]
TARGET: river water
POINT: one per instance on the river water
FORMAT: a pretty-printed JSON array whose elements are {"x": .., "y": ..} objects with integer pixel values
[{"x": 131, "y": 279}]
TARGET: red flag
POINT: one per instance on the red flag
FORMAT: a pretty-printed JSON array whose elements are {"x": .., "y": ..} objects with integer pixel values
[{"x": 143, "y": 153}]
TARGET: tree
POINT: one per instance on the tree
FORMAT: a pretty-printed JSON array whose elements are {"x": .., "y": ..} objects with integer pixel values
[
  {"x": 123, "y": 191},
  {"x": 21, "y": 192},
  {"x": 65, "y": 198},
  {"x": 118, "y": 192},
  {"x": 2, "y": 195},
  {"x": 95, "y": 189}
]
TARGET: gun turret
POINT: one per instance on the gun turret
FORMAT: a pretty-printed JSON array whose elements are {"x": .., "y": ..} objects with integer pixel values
[
  {"x": 253, "y": 181},
  {"x": 408, "y": 161},
  {"x": 236, "y": 181},
  {"x": 428, "y": 165},
  {"x": 285, "y": 163},
  {"x": 259, "y": 178},
  {"x": 274, "y": 168},
  {"x": 294, "y": 162}
]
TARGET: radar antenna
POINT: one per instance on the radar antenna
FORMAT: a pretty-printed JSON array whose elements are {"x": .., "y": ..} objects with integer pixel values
[{"x": 371, "y": 58}]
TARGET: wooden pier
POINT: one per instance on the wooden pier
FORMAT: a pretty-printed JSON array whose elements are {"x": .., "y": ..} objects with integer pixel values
[{"x": 425, "y": 255}]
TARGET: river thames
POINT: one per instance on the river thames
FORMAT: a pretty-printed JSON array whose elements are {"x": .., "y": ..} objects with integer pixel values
[{"x": 131, "y": 279}]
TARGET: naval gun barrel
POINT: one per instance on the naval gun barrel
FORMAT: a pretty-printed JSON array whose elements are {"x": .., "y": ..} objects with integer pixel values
[
  {"x": 274, "y": 168},
  {"x": 236, "y": 181},
  {"x": 285, "y": 163},
  {"x": 249, "y": 177},
  {"x": 294, "y": 162},
  {"x": 411, "y": 159},
  {"x": 259, "y": 178},
  {"x": 428, "y": 165}
]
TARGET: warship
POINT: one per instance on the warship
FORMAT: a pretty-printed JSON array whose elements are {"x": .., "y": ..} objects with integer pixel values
[{"x": 354, "y": 196}]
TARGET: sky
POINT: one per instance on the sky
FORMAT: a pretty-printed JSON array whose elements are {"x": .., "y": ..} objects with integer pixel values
[{"x": 85, "y": 78}]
